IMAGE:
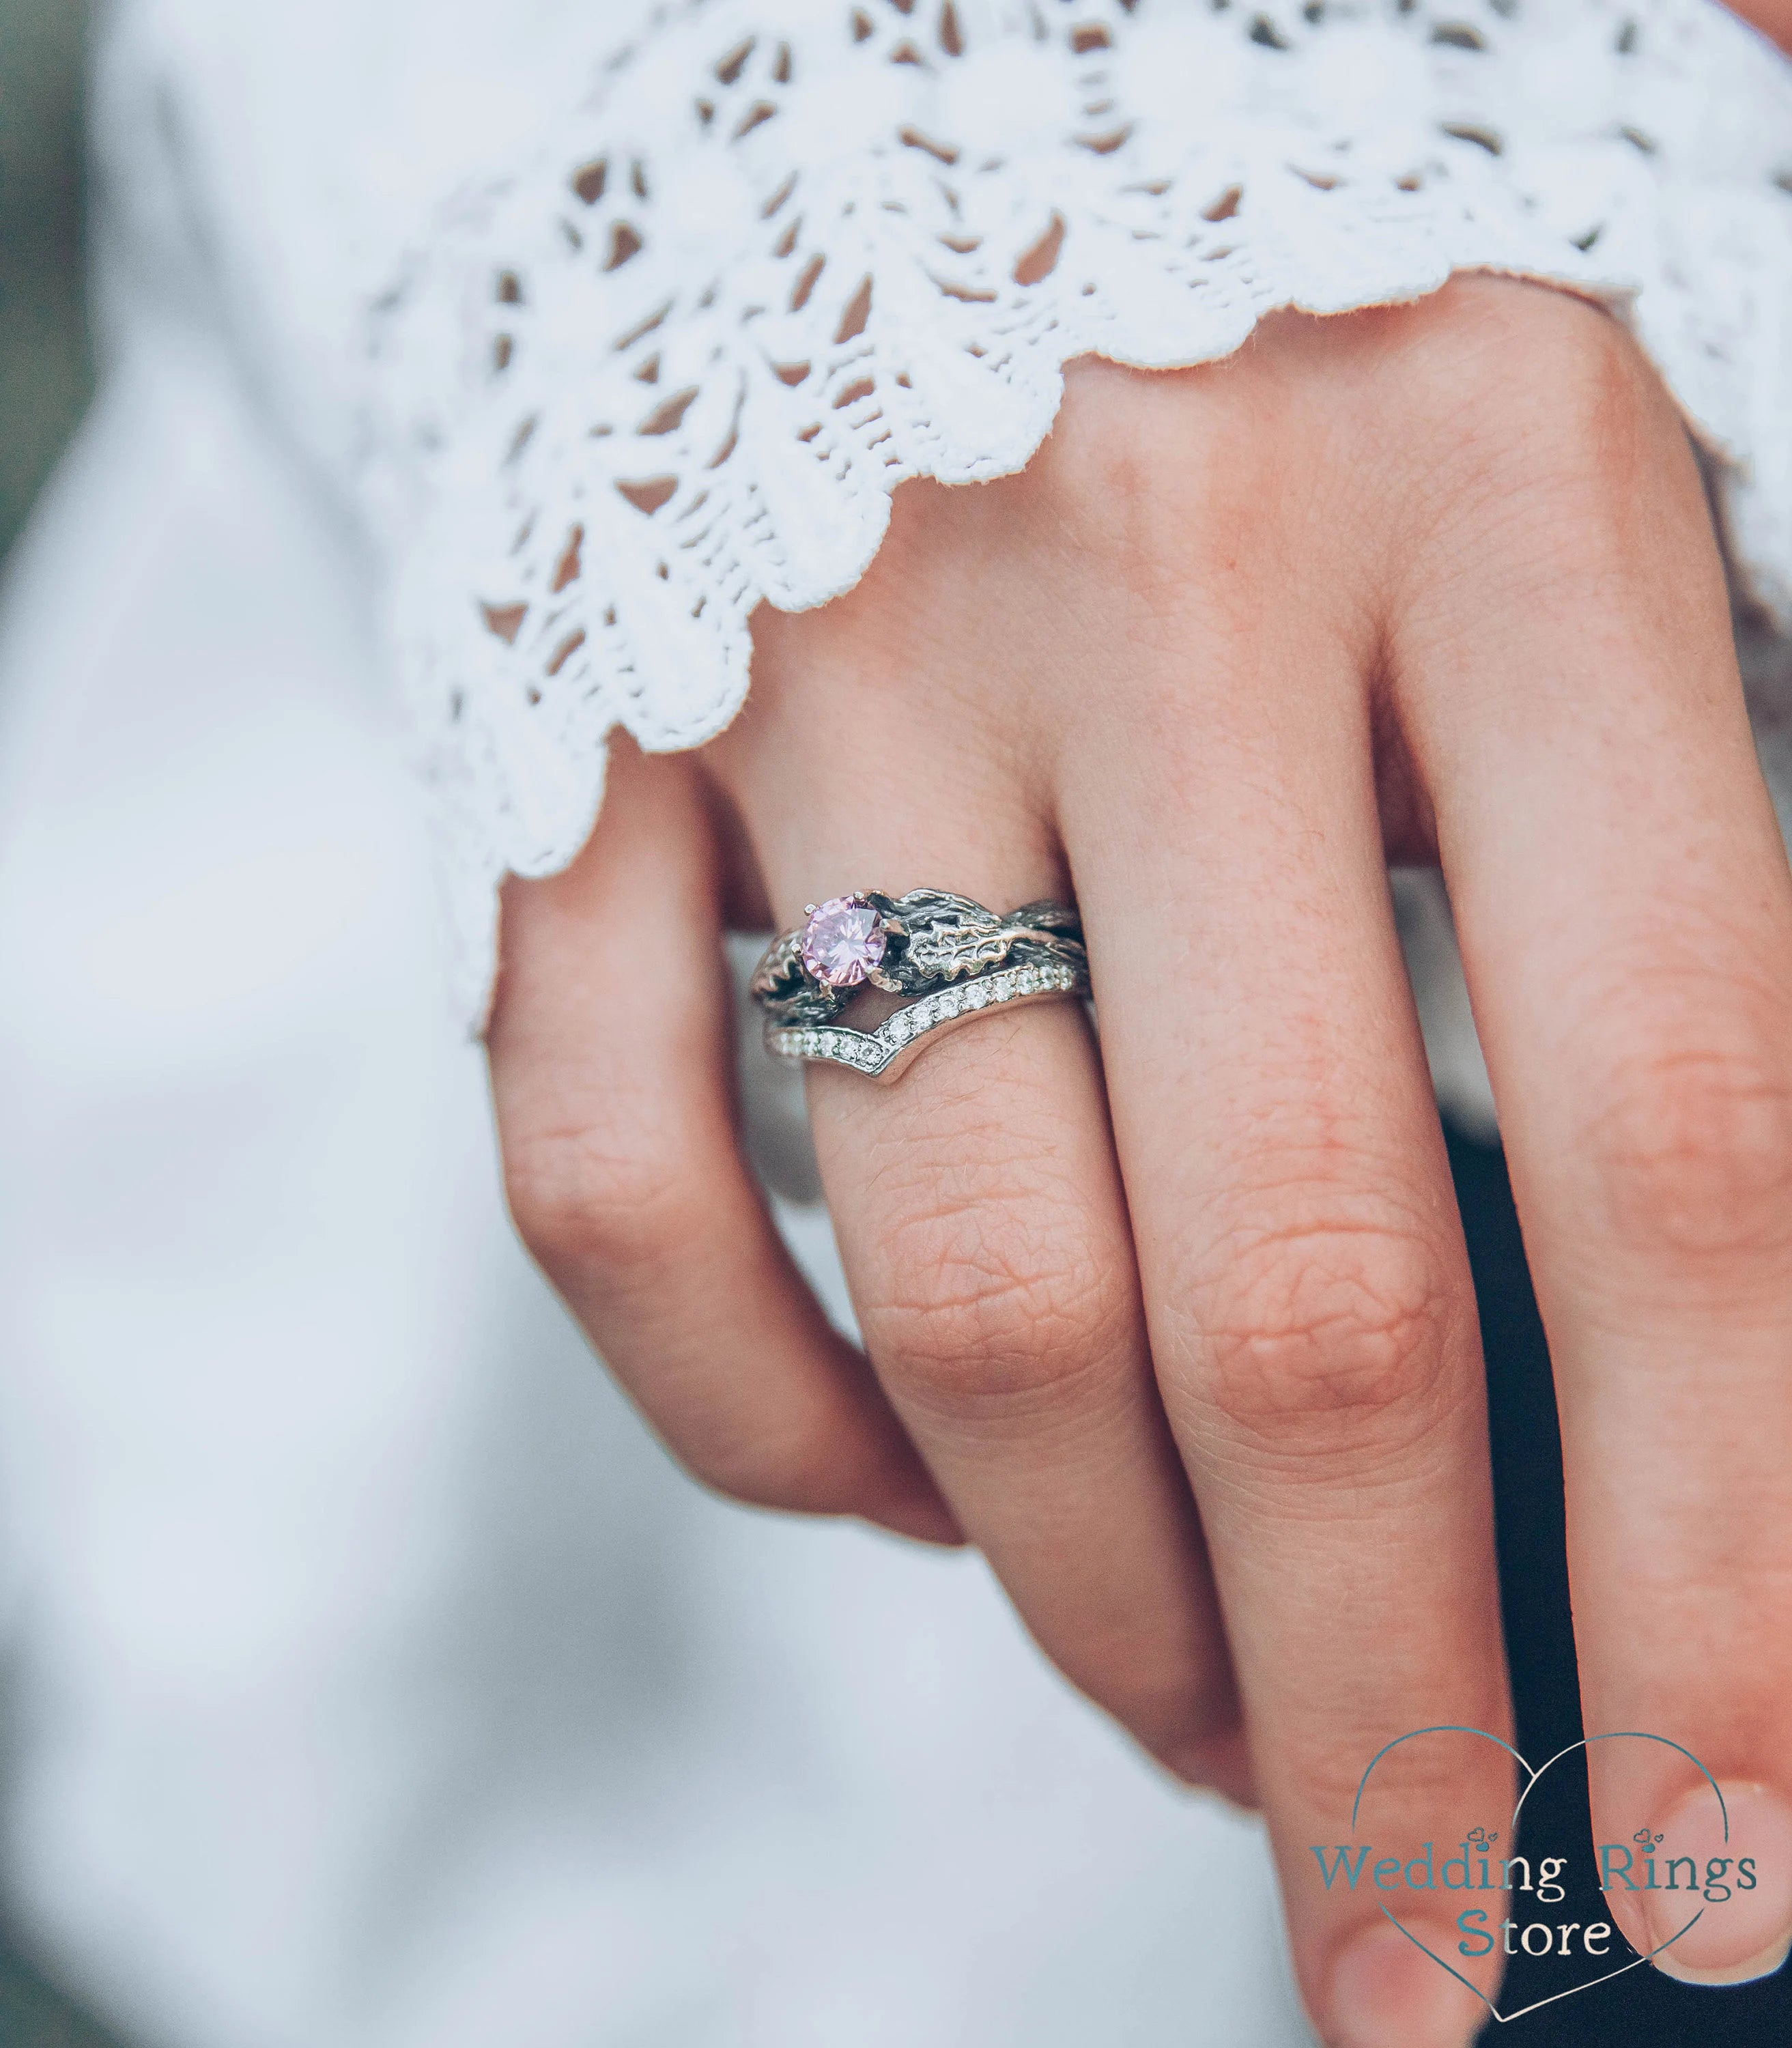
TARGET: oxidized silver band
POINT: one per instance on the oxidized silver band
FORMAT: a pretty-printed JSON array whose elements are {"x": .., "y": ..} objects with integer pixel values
[{"x": 956, "y": 958}]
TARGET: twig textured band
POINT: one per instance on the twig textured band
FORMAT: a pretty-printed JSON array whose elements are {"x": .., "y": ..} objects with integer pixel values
[{"x": 954, "y": 956}]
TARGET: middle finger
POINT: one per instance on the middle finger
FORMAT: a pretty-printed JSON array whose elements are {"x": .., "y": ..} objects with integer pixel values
[{"x": 1305, "y": 1281}]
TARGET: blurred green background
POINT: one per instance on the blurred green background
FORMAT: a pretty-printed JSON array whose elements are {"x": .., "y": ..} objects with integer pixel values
[
  {"x": 45, "y": 368},
  {"x": 46, "y": 375}
]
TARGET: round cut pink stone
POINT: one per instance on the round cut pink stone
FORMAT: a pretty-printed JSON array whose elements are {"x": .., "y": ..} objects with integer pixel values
[{"x": 842, "y": 941}]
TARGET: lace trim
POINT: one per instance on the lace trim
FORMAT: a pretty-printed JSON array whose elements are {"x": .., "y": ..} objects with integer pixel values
[{"x": 789, "y": 252}]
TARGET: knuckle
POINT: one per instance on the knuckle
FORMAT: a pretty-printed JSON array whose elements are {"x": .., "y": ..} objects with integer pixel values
[
  {"x": 809, "y": 1468},
  {"x": 1455, "y": 1767},
  {"x": 1546, "y": 447},
  {"x": 1175, "y": 1708},
  {"x": 982, "y": 1301},
  {"x": 1171, "y": 487},
  {"x": 597, "y": 1202},
  {"x": 1326, "y": 1335},
  {"x": 1691, "y": 1151},
  {"x": 1499, "y": 347}
]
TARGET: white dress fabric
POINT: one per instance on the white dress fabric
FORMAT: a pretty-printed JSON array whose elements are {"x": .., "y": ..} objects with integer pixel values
[
  {"x": 668, "y": 360},
  {"x": 374, "y": 1681},
  {"x": 619, "y": 320}
]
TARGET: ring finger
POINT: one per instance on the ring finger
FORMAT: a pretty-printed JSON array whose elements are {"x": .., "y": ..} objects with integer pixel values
[{"x": 986, "y": 1244}]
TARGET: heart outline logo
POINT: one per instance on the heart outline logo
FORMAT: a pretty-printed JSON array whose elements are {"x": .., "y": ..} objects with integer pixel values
[{"x": 1532, "y": 1777}]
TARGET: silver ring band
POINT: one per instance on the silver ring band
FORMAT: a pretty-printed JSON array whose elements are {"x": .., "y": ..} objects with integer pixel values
[{"x": 953, "y": 957}]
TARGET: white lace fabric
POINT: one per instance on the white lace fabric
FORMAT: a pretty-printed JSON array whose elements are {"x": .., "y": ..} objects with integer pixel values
[{"x": 783, "y": 255}]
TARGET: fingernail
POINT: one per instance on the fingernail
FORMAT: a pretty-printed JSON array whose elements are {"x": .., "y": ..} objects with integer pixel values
[
  {"x": 1748, "y": 1934},
  {"x": 1763, "y": 1965},
  {"x": 1385, "y": 1993}
]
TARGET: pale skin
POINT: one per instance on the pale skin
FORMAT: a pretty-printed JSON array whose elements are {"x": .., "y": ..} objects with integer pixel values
[{"x": 1178, "y": 1331}]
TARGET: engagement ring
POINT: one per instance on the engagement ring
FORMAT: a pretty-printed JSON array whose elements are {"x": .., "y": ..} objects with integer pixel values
[{"x": 956, "y": 958}]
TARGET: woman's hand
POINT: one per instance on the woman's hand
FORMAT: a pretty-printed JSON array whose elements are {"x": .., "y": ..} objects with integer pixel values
[
  {"x": 1182, "y": 1331},
  {"x": 1772, "y": 17}
]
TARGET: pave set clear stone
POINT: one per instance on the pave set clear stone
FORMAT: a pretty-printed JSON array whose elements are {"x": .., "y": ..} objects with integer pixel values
[{"x": 870, "y": 1051}]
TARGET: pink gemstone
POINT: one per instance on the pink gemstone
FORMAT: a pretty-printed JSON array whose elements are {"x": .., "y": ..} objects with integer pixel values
[{"x": 842, "y": 941}]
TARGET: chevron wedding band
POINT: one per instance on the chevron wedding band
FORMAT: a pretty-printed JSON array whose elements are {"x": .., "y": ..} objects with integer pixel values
[{"x": 955, "y": 958}]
